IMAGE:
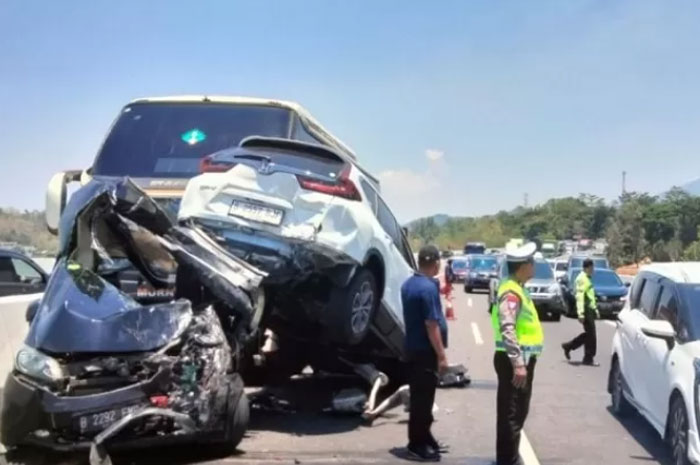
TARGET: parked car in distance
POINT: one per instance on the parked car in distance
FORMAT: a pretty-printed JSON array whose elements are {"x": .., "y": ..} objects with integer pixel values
[
  {"x": 610, "y": 291},
  {"x": 481, "y": 269},
  {"x": 446, "y": 254},
  {"x": 655, "y": 366},
  {"x": 546, "y": 292},
  {"x": 559, "y": 265},
  {"x": 456, "y": 269},
  {"x": 474, "y": 248},
  {"x": 576, "y": 261},
  {"x": 316, "y": 223},
  {"x": 20, "y": 274}
]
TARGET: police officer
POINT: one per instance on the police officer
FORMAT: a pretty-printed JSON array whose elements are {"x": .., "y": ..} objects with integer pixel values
[
  {"x": 519, "y": 338},
  {"x": 587, "y": 310},
  {"x": 426, "y": 339}
]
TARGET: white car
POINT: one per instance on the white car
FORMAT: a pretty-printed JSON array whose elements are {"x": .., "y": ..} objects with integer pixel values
[
  {"x": 315, "y": 221},
  {"x": 560, "y": 266},
  {"x": 656, "y": 355}
]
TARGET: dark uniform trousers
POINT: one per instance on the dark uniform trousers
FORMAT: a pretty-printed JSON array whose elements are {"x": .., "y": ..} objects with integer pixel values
[
  {"x": 511, "y": 410},
  {"x": 587, "y": 338},
  {"x": 423, "y": 380}
]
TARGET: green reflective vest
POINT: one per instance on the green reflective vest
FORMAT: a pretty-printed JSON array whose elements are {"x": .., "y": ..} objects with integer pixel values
[
  {"x": 585, "y": 295},
  {"x": 528, "y": 328}
]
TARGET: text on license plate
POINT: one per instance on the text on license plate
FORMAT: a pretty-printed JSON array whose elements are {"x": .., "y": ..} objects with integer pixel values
[
  {"x": 101, "y": 420},
  {"x": 254, "y": 212}
]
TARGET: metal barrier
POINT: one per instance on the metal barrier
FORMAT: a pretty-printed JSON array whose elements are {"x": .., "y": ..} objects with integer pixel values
[{"x": 13, "y": 330}]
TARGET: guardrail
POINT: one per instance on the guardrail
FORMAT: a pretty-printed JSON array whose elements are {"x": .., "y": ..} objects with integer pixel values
[{"x": 13, "y": 330}]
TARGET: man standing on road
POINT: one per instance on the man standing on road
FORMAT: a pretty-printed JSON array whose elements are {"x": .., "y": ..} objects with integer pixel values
[
  {"x": 426, "y": 339},
  {"x": 519, "y": 338},
  {"x": 587, "y": 310}
]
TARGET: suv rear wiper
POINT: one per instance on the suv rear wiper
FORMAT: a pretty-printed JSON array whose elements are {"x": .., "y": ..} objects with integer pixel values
[{"x": 250, "y": 156}]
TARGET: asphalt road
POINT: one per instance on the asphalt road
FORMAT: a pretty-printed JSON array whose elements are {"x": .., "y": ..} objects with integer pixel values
[{"x": 570, "y": 421}]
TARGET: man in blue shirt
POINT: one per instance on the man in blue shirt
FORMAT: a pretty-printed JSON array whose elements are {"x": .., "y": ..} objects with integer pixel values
[{"x": 426, "y": 339}]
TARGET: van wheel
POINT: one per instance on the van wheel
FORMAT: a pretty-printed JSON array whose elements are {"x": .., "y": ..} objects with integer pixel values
[
  {"x": 620, "y": 406},
  {"x": 678, "y": 432},
  {"x": 352, "y": 308}
]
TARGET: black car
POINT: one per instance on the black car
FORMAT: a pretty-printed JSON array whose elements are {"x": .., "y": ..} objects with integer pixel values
[
  {"x": 19, "y": 274},
  {"x": 481, "y": 269},
  {"x": 610, "y": 291}
]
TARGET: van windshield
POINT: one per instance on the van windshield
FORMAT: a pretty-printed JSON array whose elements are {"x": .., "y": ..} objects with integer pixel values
[{"x": 168, "y": 140}]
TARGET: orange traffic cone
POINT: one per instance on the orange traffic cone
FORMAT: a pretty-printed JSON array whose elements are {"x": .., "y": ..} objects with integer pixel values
[{"x": 450, "y": 313}]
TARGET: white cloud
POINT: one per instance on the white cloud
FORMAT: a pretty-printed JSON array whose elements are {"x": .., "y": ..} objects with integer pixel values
[
  {"x": 412, "y": 194},
  {"x": 434, "y": 154}
]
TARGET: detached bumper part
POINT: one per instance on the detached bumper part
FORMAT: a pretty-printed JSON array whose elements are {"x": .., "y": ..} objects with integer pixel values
[{"x": 98, "y": 453}]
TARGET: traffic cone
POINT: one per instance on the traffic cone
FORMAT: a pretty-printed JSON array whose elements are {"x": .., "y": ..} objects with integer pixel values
[{"x": 450, "y": 314}]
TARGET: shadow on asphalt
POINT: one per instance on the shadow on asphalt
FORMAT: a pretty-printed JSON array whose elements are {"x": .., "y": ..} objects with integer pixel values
[{"x": 646, "y": 436}]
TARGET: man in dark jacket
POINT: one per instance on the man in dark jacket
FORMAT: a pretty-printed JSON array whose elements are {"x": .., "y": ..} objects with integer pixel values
[{"x": 426, "y": 339}]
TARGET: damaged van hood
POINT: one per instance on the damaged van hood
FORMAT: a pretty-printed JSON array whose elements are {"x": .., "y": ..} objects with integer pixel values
[
  {"x": 81, "y": 312},
  {"x": 110, "y": 225}
]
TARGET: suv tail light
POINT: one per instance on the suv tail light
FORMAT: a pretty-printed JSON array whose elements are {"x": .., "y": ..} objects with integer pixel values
[
  {"x": 209, "y": 165},
  {"x": 343, "y": 187}
]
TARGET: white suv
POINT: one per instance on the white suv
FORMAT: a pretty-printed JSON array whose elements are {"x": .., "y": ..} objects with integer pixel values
[
  {"x": 656, "y": 355},
  {"x": 315, "y": 221}
]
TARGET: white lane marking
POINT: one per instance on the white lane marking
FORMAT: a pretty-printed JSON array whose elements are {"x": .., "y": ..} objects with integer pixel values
[
  {"x": 477, "y": 334},
  {"x": 527, "y": 453},
  {"x": 469, "y": 302}
]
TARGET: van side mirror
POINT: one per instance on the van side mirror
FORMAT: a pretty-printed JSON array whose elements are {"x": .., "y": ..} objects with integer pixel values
[
  {"x": 56, "y": 197},
  {"x": 660, "y": 329},
  {"x": 628, "y": 284}
]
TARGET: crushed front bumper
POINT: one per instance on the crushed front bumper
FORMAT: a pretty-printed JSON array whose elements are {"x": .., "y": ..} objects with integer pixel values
[{"x": 32, "y": 415}]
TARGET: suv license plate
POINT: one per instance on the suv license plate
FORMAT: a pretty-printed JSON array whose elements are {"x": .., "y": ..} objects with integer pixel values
[{"x": 255, "y": 212}]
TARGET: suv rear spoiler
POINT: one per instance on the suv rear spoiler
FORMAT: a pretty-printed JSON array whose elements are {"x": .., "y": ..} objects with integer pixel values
[{"x": 300, "y": 146}]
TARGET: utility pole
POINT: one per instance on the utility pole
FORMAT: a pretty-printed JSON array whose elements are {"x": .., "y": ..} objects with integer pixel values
[
  {"x": 624, "y": 182},
  {"x": 525, "y": 200}
]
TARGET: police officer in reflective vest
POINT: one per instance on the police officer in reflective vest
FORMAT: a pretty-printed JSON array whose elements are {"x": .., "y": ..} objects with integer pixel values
[
  {"x": 519, "y": 338},
  {"x": 587, "y": 311}
]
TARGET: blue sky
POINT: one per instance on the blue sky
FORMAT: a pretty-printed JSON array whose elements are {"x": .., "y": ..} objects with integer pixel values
[{"x": 459, "y": 106}]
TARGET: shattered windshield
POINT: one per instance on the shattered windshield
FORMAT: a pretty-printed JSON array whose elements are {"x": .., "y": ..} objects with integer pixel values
[{"x": 169, "y": 139}]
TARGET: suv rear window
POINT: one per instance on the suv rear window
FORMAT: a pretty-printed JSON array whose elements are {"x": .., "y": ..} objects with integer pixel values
[{"x": 167, "y": 140}]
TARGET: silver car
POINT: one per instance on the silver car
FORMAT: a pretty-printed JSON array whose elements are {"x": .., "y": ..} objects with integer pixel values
[{"x": 544, "y": 289}]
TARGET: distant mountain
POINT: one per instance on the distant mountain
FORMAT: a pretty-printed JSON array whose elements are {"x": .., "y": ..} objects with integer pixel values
[{"x": 692, "y": 188}]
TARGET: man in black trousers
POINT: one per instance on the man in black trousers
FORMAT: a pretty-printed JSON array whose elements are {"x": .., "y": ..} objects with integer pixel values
[
  {"x": 587, "y": 311},
  {"x": 426, "y": 339}
]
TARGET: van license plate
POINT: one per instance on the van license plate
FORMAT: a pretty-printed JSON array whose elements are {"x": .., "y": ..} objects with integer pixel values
[
  {"x": 254, "y": 212},
  {"x": 93, "y": 422}
]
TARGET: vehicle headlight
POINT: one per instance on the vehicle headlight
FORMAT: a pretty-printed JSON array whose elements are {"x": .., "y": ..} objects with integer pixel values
[{"x": 37, "y": 365}]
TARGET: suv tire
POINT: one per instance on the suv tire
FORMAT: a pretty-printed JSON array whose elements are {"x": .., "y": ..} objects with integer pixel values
[{"x": 352, "y": 308}]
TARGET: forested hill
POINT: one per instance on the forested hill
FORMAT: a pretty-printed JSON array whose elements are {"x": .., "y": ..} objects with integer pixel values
[
  {"x": 637, "y": 225},
  {"x": 26, "y": 229}
]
